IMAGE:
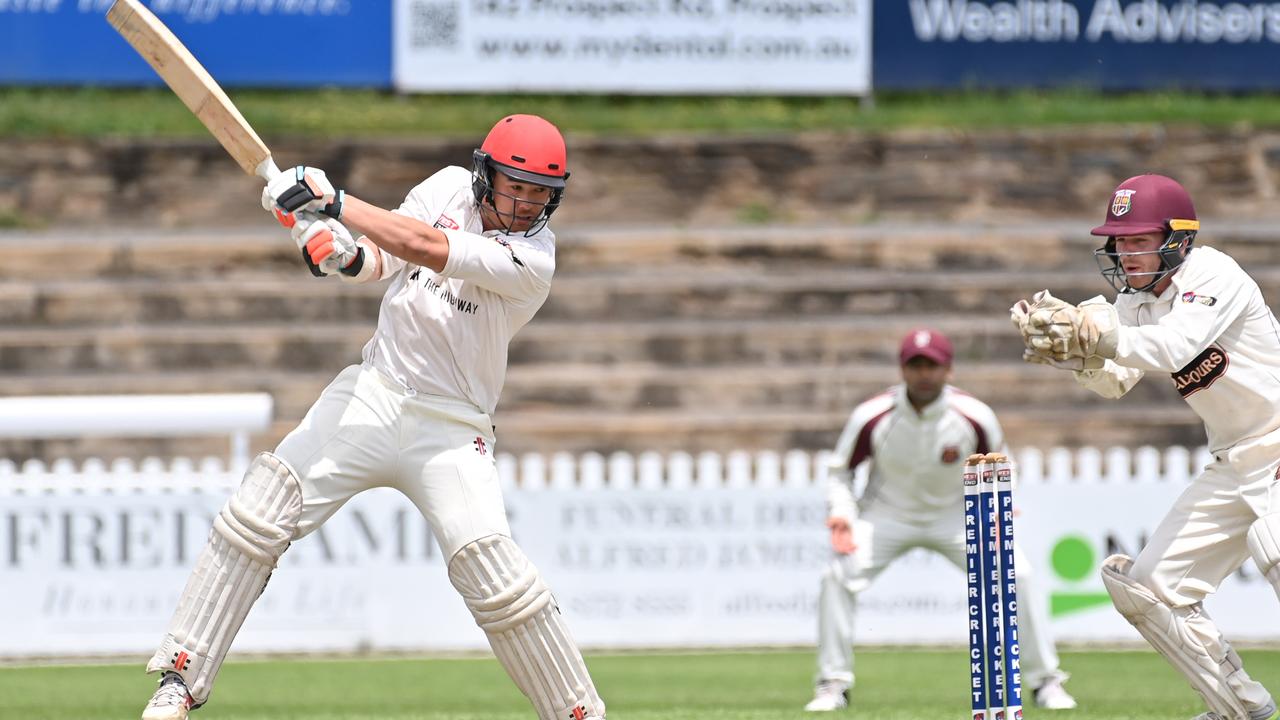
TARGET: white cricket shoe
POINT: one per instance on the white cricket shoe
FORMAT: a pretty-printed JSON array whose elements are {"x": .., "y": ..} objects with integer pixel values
[
  {"x": 829, "y": 695},
  {"x": 1265, "y": 713},
  {"x": 1053, "y": 696},
  {"x": 171, "y": 701}
]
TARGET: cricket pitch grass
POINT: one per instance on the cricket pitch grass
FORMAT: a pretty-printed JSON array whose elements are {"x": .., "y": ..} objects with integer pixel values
[{"x": 892, "y": 685}]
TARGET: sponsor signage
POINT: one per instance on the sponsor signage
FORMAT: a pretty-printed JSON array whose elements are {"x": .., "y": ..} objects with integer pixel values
[
  {"x": 1113, "y": 44},
  {"x": 634, "y": 46},
  {"x": 276, "y": 43},
  {"x": 99, "y": 571}
]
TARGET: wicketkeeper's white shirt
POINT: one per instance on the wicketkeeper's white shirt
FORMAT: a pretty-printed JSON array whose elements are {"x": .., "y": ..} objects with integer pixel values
[
  {"x": 1212, "y": 331},
  {"x": 446, "y": 333},
  {"x": 916, "y": 457}
]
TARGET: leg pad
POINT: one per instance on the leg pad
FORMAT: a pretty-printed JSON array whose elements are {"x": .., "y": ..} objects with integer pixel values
[
  {"x": 249, "y": 535},
  {"x": 1188, "y": 639},
  {"x": 514, "y": 607}
]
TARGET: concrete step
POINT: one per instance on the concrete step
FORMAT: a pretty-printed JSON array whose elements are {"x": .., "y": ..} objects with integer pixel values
[
  {"x": 631, "y": 387},
  {"x": 593, "y": 296},
  {"x": 317, "y": 346},
  {"x": 232, "y": 253}
]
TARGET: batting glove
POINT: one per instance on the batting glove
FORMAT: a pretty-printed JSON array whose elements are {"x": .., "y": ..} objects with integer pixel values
[
  {"x": 302, "y": 189},
  {"x": 327, "y": 246}
]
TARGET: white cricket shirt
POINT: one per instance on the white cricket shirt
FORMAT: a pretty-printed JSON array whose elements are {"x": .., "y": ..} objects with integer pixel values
[
  {"x": 917, "y": 458},
  {"x": 446, "y": 333},
  {"x": 1213, "y": 333}
]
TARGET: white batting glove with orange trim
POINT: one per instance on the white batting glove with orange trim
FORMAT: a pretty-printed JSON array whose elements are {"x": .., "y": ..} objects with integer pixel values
[
  {"x": 302, "y": 189},
  {"x": 327, "y": 246}
]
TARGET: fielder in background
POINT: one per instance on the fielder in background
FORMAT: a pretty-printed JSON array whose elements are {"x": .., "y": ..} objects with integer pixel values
[
  {"x": 916, "y": 436},
  {"x": 469, "y": 260},
  {"x": 1199, "y": 317}
]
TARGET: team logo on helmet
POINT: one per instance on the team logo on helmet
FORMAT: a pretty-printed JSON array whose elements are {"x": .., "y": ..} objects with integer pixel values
[{"x": 1122, "y": 203}]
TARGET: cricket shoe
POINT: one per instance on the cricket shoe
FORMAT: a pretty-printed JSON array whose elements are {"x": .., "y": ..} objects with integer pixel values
[
  {"x": 1053, "y": 696},
  {"x": 829, "y": 695},
  {"x": 171, "y": 701},
  {"x": 1266, "y": 713}
]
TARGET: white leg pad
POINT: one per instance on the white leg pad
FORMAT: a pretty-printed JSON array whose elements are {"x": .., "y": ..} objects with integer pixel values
[
  {"x": 249, "y": 535},
  {"x": 513, "y": 606},
  {"x": 1264, "y": 545},
  {"x": 1188, "y": 639}
]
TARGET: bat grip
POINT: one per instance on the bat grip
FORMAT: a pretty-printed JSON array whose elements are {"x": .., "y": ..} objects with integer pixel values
[{"x": 267, "y": 169}]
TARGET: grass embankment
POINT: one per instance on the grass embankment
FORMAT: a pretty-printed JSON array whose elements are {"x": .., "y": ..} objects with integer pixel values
[{"x": 65, "y": 112}]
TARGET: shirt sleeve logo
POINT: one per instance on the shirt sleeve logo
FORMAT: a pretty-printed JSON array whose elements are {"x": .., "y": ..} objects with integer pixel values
[
  {"x": 950, "y": 454},
  {"x": 514, "y": 258},
  {"x": 1206, "y": 300}
]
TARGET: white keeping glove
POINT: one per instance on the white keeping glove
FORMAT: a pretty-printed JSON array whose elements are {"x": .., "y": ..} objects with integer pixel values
[
  {"x": 327, "y": 246},
  {"x": 1098, "y": 328},
  {"x": 302, "y": 189}
]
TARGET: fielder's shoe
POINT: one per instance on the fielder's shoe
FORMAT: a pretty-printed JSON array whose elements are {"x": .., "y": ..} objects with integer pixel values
[
  {"x": 1053, "y": 696},
  {"x": 829, "y": 695},
  {"x": 171, "y": 701}
]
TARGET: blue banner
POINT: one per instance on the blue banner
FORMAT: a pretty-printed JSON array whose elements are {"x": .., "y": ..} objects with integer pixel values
[
  {"x": 274, "y": 43},
  {"x": 1106, "y": 44}
]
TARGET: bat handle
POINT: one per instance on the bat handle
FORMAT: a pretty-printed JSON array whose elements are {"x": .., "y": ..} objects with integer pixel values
[{"x": 267, "y": 169}]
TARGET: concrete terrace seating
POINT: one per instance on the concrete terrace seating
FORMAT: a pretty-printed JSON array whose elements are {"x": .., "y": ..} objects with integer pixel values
[{"x": 666, "y": 339}]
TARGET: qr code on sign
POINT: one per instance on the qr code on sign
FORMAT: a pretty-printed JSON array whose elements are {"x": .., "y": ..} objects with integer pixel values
[{"x": 433, "y": 24}]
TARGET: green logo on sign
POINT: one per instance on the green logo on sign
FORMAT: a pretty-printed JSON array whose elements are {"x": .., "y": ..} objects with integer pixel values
[{"x": 1073, "y": 560}]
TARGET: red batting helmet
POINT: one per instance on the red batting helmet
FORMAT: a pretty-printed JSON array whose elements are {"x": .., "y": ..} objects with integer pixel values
[
  {"x": 1146, "y": 204},
  {"x": 526, "y": 148}
]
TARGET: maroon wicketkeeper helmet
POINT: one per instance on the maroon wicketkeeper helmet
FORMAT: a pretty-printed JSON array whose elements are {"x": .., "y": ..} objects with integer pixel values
[{"x": 1141, "y": 205}]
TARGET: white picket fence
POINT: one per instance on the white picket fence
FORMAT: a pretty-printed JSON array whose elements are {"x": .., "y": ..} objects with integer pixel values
[{"x": 648, "y": 470}]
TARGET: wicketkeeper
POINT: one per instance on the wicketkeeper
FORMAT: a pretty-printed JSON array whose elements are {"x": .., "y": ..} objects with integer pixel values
[
  {"x": 1199, "y": 317},
  {"x": 916, "y": 436},
  {"x": 468, "y": 257}
]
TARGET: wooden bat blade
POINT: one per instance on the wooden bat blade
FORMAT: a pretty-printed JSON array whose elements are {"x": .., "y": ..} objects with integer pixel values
[{"x": 192, "y": 84}]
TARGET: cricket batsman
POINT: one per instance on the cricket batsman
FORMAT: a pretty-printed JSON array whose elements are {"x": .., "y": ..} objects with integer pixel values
[
  {"x": 468, "y": 260},
  {"x": 1200, "y": 318}
]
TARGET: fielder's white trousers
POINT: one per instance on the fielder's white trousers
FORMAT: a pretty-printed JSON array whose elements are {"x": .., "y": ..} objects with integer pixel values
[
  {"x": 365, "y": 431},
  {"x": 881, "y": 539}
]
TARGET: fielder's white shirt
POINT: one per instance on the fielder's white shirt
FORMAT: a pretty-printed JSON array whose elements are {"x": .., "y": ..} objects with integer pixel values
[
  {"x": 447, "y": 333},
  {"x": 1213, "y": 333},
  {"x": 917, "y": 458}
]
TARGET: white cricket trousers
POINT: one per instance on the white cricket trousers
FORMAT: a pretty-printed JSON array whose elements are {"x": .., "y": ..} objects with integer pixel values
[
  {"x": 1201, "y": 540},
  {"x": 365, "y": 431},
  {"x": 880, "y": 539}
]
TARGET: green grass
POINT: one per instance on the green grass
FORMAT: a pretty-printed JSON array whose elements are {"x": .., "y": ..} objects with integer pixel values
[
  {"x": 89, "y": 112},
  {"x": 892, "y": 685}
]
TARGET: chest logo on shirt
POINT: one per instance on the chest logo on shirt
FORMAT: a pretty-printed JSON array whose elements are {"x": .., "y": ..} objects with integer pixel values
[
  {"x": 434, "y": 287},
  {"x": 447, "y": 222},
  {"x": 1201, "y": 372},
  {"x": 950, "y": 454},
  {"x": 1190, "y": 297}
]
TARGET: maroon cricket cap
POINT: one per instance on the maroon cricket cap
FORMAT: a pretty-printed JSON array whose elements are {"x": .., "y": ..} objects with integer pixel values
[
  {"x": 1146, "y": 203},
  {"x": 926, "y": 343}
]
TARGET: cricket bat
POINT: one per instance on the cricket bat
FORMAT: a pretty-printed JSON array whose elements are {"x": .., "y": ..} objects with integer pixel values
[{"x": 193, "y": 85}]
